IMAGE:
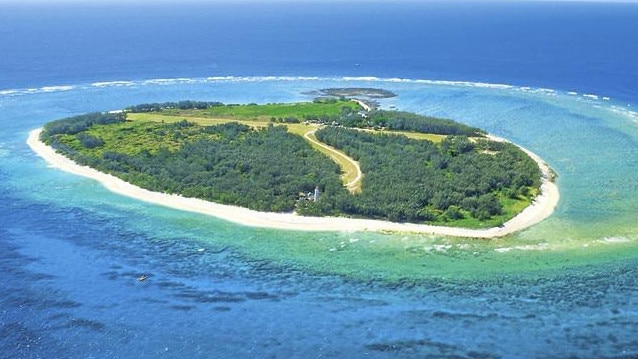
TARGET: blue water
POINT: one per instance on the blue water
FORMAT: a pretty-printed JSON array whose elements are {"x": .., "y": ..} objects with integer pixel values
[
  {"x": 71, "y": 251},
  {"x": 584, "y": 47}
]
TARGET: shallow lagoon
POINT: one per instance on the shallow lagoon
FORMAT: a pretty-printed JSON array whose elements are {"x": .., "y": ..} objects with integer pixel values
[{"x": 73, "y": 251}]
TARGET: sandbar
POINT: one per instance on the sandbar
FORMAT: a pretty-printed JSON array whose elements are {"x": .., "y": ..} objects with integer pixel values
[{"x": 542, "y": 207}]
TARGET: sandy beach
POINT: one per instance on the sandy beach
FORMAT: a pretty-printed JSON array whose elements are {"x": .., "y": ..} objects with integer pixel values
[{"x": 542, "y": 207}]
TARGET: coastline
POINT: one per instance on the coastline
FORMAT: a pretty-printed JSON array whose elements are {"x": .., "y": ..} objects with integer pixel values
[{"x": 542, "y": 206}]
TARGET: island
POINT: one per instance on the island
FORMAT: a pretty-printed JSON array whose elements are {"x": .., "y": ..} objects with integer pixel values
[
  {"x": 352, "y": 92},
  {"x": 330, "y": 164}
]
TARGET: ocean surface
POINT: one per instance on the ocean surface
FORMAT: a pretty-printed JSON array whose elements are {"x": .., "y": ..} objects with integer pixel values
[{"x": 557, "y": 78}]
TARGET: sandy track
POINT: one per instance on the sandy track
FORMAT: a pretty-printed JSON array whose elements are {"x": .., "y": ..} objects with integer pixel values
[{"x": 355, "y": 184}]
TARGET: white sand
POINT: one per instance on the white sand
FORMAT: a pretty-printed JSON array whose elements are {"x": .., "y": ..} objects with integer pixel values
[{"x": 541, "y": 208}]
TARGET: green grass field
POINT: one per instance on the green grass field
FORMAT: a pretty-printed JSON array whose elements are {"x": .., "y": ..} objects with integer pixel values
[{"x": 299, "y": 110}]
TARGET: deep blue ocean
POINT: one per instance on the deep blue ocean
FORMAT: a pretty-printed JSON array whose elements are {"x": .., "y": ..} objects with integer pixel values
[{"x": 560, "y": 79}]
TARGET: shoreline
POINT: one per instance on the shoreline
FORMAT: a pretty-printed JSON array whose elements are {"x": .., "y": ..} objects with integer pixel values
[{"x": 542, "y": 206}]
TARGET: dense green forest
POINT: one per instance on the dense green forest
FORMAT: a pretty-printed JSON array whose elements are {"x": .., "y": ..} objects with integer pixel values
[
  {"x": 419, "y": 181},
  {"x": 230, "y": 163},
  {"x": 181, "y": 105},
  {"x": 465, "y": 180},
  {"x": 406, "y": 121}
]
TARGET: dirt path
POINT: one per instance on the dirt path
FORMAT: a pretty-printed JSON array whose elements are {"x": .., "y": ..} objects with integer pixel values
[{"x": 350, "y": 167}]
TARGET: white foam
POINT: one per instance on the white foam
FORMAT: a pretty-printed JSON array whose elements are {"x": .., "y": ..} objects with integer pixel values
[
  {"x": 9, "y": 92},
  {"x": 55, "y": 88},
  {"x": 612, "y": 240},
  {"x": 34, "y": 90},
  {"x": 527, "y": 247},
  {"x": 632, "y": 115},
  {"x": 492, "y": 86},
  {"x": 475, "y": 84},
  {"x": 590, "y": 96},
  {"x": 442, "y": 247},
  {"x": 297, "y": 78},
  {"x": 169, "y": 81},
  {"x": 503, "y": 249},
  {"x": 397, "y": 79},
  {"x": 113, "y": 83},
  {"x": 261, "y": 78},
  {"x": 228, "y": 79},
  {"x": 362, "y": 78},
  {"x": 219, "y": 78},
  {"x": 540, "y": 90},
  {"x": 366, "y": 79},
  {"x": 428, "y": 81}
]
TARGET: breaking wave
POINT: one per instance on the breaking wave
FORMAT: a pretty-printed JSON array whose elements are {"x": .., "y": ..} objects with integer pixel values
[{"x": 623, "y": 109}]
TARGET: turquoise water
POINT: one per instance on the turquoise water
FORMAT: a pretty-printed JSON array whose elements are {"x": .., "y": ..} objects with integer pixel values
[{"x": 72, "y": 251}]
